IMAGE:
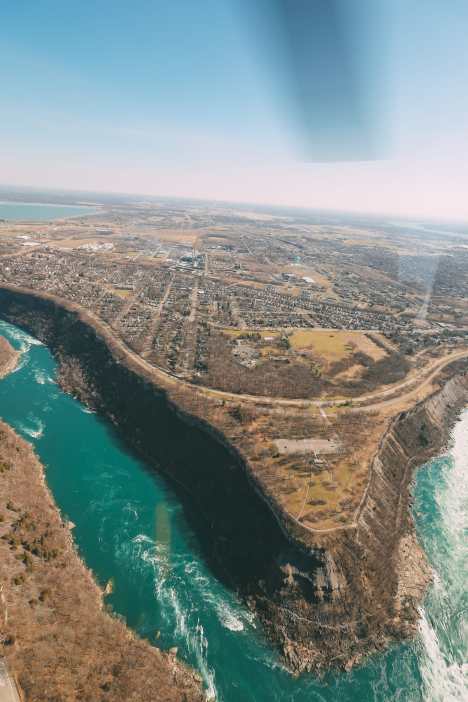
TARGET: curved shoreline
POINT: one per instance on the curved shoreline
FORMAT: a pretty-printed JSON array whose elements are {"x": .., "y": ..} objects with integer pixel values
[
  {"x": 342, "y": 566},
  {"x": 49, "y": 595},
  {"x": 8, "y": 358}
]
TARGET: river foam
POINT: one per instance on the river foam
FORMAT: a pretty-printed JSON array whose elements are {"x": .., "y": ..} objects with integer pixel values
[
  {"x": 444, "y": 621},
  {"x": 34, "y": 428},
  {"x": 42, "y": 378},
  {"x": 177, "y": 606},
  {"x": 20, "y": 339}
]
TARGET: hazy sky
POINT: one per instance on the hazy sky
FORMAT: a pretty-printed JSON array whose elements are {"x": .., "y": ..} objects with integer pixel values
[{"x": 192, "y": 98}]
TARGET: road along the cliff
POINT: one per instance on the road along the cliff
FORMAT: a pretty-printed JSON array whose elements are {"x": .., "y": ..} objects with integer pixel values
[{"x": 363, "y": 402}]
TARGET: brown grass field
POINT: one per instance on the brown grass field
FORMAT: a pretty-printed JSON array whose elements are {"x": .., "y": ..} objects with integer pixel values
[{"x": 335, "y": 345}]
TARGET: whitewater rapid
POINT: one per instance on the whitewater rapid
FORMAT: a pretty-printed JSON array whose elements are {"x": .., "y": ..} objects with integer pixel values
[{"x": 444, "y": 617}]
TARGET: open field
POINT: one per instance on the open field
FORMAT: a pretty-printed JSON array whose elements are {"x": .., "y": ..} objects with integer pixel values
[
  {"x": 308, "y": 362},
  {"x": 335, "y": 345},
  {"x": 182, "y": 236},
  {"x": 304, "y": 272},
  {"x": 122, "y": 292}
]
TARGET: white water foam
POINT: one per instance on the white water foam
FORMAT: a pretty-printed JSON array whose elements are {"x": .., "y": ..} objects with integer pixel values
[
  {"x": 23, "y": 340},
  {"x": 43, "y": 378},
  {"x": 231, "y": 615},
  {"x": 35, "y": 428},
  {"x": 40, "y": 377},
  {"x": 23, "y": 361},
  {"x": 142, "y": 539},
  {"x": 443, "y": 681},
  {"x": 178, "y": 615},
  {"x": 227, "y": 617},
  {"x": 198, "y": 643},
  {"x": 443, "y": 667}
]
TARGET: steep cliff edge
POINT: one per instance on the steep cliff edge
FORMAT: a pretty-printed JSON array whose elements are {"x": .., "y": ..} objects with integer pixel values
[
  {"x": 324, "y": 599},
  {"x": 372, "y": 578}
]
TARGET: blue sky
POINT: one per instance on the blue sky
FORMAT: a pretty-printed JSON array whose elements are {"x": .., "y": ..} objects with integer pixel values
[{"x": 200, "y": 99}]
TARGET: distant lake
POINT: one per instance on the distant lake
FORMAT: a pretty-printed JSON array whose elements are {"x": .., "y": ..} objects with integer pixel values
[{"x": 34, "y": 211}]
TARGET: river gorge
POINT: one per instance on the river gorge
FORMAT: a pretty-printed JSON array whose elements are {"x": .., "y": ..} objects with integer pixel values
[{"x": 137, "y": 534}]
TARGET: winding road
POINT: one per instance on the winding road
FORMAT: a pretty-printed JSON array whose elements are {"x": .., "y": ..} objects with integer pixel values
[{"x": 357, "y": 404}]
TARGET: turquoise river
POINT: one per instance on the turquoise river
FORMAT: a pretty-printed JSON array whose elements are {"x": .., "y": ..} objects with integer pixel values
[{"x": 130, "y": 528}]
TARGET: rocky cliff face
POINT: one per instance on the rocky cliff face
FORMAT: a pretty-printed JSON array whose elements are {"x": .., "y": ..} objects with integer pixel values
[
  {"x": 372, "y": 578},
  {"x": 325, "y": 599},
  {"x": 208, "y": 476}
]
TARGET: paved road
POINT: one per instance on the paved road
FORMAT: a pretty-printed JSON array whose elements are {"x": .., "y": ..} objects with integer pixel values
[
  {"x": 423, "y": 377},
  {"x": 369, "y": 401},
  {"x": 435, "y": 369},
  {"x": 378, "y": 398},
  {"x": 8, "y": 691}
]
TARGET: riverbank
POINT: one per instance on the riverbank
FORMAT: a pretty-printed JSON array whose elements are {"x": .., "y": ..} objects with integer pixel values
[
  {"x": 8, "y": 357},
  {"x": 324, "y": 599},
  {"x": 55, "y": 633}
]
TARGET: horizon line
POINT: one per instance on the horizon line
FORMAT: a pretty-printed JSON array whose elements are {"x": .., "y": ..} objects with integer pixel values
[{"x": 215, "y": 201}]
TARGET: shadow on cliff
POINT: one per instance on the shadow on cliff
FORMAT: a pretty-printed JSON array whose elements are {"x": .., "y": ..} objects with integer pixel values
[{"x": 238, "y": 535}]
